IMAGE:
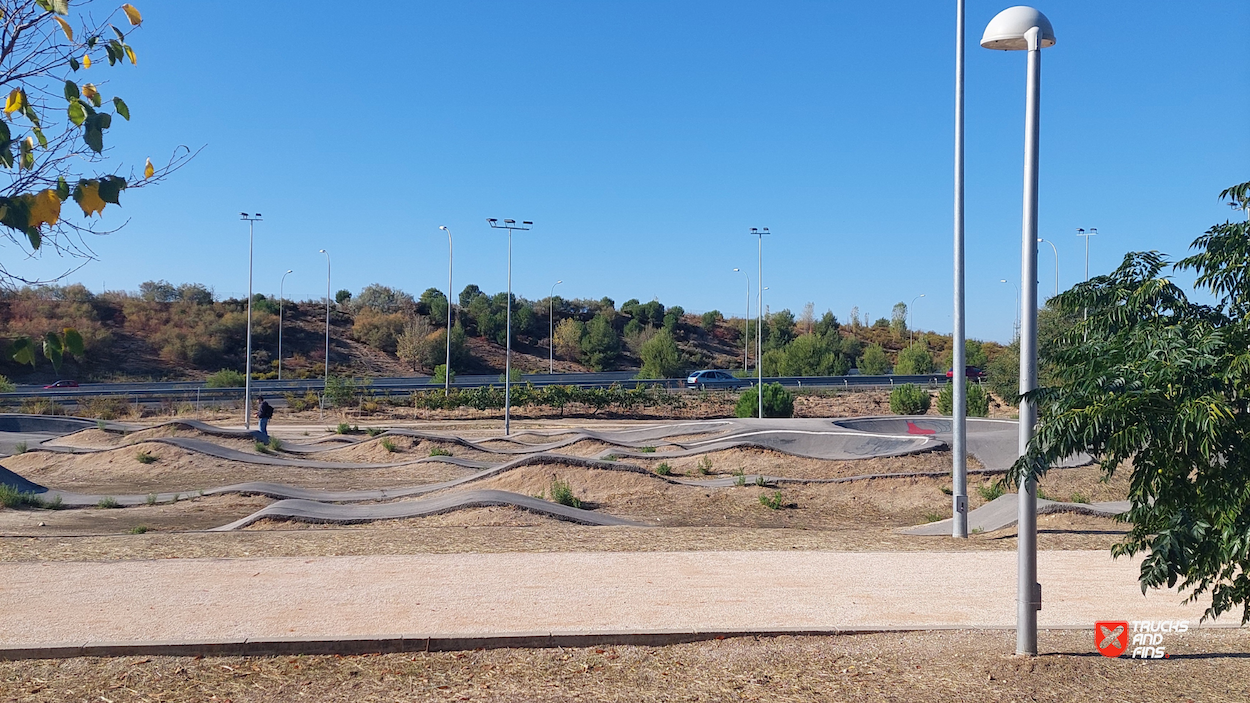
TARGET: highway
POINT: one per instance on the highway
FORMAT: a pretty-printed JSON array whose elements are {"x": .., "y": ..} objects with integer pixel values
[{"x": 196, "y": 390}]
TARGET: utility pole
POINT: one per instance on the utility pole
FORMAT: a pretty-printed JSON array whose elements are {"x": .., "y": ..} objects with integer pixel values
[{"x": 959, "y": 381}]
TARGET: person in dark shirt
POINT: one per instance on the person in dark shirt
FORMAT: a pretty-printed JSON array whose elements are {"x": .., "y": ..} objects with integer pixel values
[{"x": 264, "y": 413}]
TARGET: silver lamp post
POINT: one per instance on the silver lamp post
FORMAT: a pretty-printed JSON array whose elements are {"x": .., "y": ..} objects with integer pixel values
[
  {"x": 746, "y": 324},
  {"x": 325, "y": 383},
  {"x": 959, "y": 424},
  {"x": 1087, "y": 233},
  {"x": 1015, "y": 323},
  {"x": 759, "y": 323},
  {"x": 247, "y": 378},
  {"x": 1056, "y": 250},
  {"x": 447, "y": 363},
  {"x": 911, "y": 336},
  {"x": 281, "y": 301},
  {"x": 509, "y": 225},
  {"x": 1026, "y": 29},
  {"x": 551, "y": 317}
]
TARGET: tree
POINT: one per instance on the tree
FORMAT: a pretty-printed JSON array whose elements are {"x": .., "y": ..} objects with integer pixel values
[
  {"x": 380, "y": 298},
  {"x": 601, "y": 345},
  {"x": 807, "y": 318},
  {"x": 898, "y": 319},
  {"x": 915, "y": 359},
  {"x": 828, "y": 323},
  {"x": 778, "y": 402},
  {"x": 660, "y": 357},
  {"x": 158, "y": 291},
  {"x": 780, "y": 329},
  {"x": 342, "y": 296},
  {"x": 710, "y": 318},
  {"x": 52, "y": 128},
  {"x": 435, "y": 304},
  {"x": 809, "y": 355},
  {"x": 1154, "y": 378},
  {"x": 410, "y": 345},
  {"x": 568, "y": 341},
  {"x": 874, "y": 362},
  {"x": 855, "y": 324}
]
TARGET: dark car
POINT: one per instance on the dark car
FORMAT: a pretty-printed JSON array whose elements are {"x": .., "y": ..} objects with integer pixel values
[
  {"x": 969, "y": 371},
  {"x": 63, "y": 384},
  {"x": 714, "y": 379}
]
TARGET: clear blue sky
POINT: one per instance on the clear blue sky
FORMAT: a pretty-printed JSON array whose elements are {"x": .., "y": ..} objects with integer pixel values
[{"x": 645, "y": 138}]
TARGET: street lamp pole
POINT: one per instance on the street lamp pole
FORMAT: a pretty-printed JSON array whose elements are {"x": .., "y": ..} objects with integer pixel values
[
  {"x": 447, "y": 362},
  {"x": 1086, "y": 233},
  {"x": 1054, "y": 249},
  {"x": 746, "y": 324},
  {"x": 247, "y": 379},
  {"x": 959, "y": 381},
  {"x": 325, "y": 383},
  {"x": 551, "y": 318},
  {"x": 759, "y": 324},
  {"x": 911, "y": 336},
  {"x": 1015, "y": 323},
  {"x": 507, "y": 368},
  {"x": 281, "y": 301},
  {"x": 1015, "y": 29}
]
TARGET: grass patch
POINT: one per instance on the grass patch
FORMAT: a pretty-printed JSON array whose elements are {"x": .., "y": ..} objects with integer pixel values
[
  {"x": 275, "y": 443},
  {"x": 611, "y": 457},
  {"x": 138, "y": 529},
  {"x": 704, "y": 466},
  {"x": 19, "y": 448},
  {"x": 145, "y": 458},
  {"x": 388, "y": 445},
  {"x": 1043, "y": 494},
  {"x": 10, "y": 497},
  {"x": 947, "y": 490},
  {"x": 933, "y": 517},
  {"x": 151, "y": 499},
  {"x": 990, "y": 491},
  {"x": 760, "y": 480},
  {"x": 664, "y": 469},
  {"x": 1079, "y": 497},
  {"x": 374, "y": 431},
  {"x": 562, "y": 493},
  {"x": 263, "y": 448},
  {"x": 647, "y": 450},
  {"x": 439, "y": 451},
  {"x": 108, "y": 503},
  {"x": 740, "y": 477},
  {"x": 773, "y": 501}
]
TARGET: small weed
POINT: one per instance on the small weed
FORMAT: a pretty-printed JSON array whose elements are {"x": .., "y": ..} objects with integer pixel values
[
  {"x": 374, "y": 431},
  {"x": 562, "y": 493},
  {"x": 947, "y": 490},
  {"x": 54, "y": 504},
  {"x": 977, "y": 530},
  {"x": 611, "y": 457},
  {"x": 439, "y": 451},
  {"x": 343, "y": 428},
  {"x": 1079, "y": 497},
  {"x": 647, "y": 450},
  {"x": 773, "y": 502},
  {"x": 740, "y": 478},
  {"x": 990, "y": 491},
  {"x": 100, "y": 425},
  {"x": 664, "y": 469},
  {"x": 263, "y": 448},
  {"x": 760, "y": 480},
  {"x": 388, "y": 445},
  {"x": 138, "y": 529},
  {"x": 10, "y": 497},
  {"x": 145, "y": 458},
  {"x": 151, "y": 499},
  {"x": 933, "y": 517},
  {"x": 108, "y": 502},
  {"x": 704, "y": 466},
  {"x": 275, "y": 443},
  {"x": 19, "y": 448},
  {"x": 1043, "y": 494}
]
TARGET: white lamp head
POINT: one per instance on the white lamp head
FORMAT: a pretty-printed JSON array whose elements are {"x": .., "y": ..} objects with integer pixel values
[{"x": 1008, "y": 30}]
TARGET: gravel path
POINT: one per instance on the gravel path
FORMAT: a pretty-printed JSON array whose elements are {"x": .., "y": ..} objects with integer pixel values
[{"x": 513, "y": 593}]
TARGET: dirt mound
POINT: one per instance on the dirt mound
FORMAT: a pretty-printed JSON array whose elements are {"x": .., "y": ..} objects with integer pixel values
[
  {"x": 406, "y": 449},
  {"x": 492, "y": 516},
  {"x": 756, "y": 460}
]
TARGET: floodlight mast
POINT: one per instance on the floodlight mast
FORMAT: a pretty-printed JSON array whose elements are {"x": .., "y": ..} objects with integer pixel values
[
  {"x": 447, "y": 362},
  {"x": 247, "y": 380},
  {"x": 509, "y": 225},
  {"x": 759, "y": 323}
]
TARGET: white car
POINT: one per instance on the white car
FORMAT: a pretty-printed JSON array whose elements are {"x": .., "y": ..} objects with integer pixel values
[{"x": 715, "y": 379}]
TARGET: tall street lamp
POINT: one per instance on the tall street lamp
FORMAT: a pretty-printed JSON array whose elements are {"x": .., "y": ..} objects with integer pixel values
[
  {"x": 759, "y": 322},
  {"x": 1025, "y": 29},
  {"x": 325, "y": 383},
  {"x": 911, "y": 336},
  {"x": 1015, "y": 323},
  {"x": 247, "y": 379},
  {"x": 1054, "y": 249},
  {"x": 746, "y": 323},
  {"x": 281, "y": 301},
  {"x": 959, "y": 425},
  {"x": 447, "y": 362},
  {"x": 1087, "y": 233},
  {"x": 509, "y": 225},
  {"x": 551, "y": 317}
]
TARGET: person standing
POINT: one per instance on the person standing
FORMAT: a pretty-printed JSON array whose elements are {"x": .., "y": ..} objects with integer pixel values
[{"x": 263, "y": 413}]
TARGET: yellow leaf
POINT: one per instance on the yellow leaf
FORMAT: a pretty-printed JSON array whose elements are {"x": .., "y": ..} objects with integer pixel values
[
  {"x": 89, "y": 199},
  {"x": 86, "y": 61},
  {"x": 14, "y": 102},
  {"x": 131, "y": 53},
  {"x": 132, "y": 14},
  {"x": 69, "y": 31},
  {"x": 89, "y": 91},
  {"x": 148, "y": 171},
  {"x": 45, "y": 208}
]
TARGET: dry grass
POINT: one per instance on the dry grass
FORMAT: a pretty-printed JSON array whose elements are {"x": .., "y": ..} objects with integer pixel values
[{"x": 942, "y": 667}]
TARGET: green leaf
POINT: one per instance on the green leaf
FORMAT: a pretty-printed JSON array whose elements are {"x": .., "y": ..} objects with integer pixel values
[
  {"x": 111, "y": 187},
  {"x": 108, "y": 51},
  {"x": 62, "y": 189},
  {"x": 60, "y": 7},
  {"x": 52, "y": 349},
  {"x": 105, "y": 120},
  {"x": 76, "y": 113},
  {"x": 73, "y": 63},
  {"x": 4, "y": 131},
  {"x": 29, "y": 111},
  {"x": 43, "y": 141},
  {"x": 120, "y": 36},
  {"x": 73, "y": 342},
  {"x": 22, "y": 351},
  {"x": 91, "y": 42},
  {"x": 36, "y": 239},
  {"x": 94, "y": 138},
  {"x": 71, "y": 91},
  {"x": 96, "y": 100},
  {"x": 122, "y": 109},
  {"x": 6, "y": 154}
]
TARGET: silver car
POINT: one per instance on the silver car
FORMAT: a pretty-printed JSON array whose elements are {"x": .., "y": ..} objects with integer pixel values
[{"x": 714, "y": 379}]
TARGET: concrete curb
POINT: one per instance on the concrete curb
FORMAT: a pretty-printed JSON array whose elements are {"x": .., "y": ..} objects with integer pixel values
[{"x": 391, "y": 644}]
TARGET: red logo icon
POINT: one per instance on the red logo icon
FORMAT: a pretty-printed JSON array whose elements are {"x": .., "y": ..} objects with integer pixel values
[{"x": 1111, "y": 637}]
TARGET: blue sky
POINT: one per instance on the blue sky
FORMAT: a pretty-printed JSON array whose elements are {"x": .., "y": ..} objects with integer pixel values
[{"x": 644, "y": 139}]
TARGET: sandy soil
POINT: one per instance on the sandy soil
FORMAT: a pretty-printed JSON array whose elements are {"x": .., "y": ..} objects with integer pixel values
[
  {"x": 941, "y": 667},
  {"x": 198, "y": 513}
]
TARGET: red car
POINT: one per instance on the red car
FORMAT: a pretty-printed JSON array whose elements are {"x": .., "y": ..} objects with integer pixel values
[
  {"x": 63, "y": 384},
  {"x": 969, "y": 371}
]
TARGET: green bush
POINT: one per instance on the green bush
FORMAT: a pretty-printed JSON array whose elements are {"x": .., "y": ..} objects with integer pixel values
[
  {"x": 275, "y": 443},
  {"x": 440, "y": 374},
  {"x": 660, "y": 357},
  {"x": 225, "y": 378},
  {"x": 297, "y": 403},
  {"x": 1002, "y": 375},
  {"x": 106, "y": 407},
  {"x": 6, "y": 386},
  {"x": 773, "y": 502},
  {"x": 388, "y": 445},
  {"x": 915, "y": 359},
  {"x": 343, "y": 428},
  {"x": 710, "y": 318},
  {"x": 990, "y": 491},
  {"x": 344, "y": 392},
  {"x": 10, "y": 497},
  {"x": 778, "y": 402},
  {"x": 909, "y": 399},
  {"x": 874, "y": 362},
  {"x": 705, "y": 465},
  {"x": 977, "y": 400},
  {"x": 19, "y": 448},
  {"x": 562, "y": 493},
  {"x": 145, "y": 458},
  {"x": 664, "y": 469},
  {"x": 108, "y": 502},
  {"x": 439, "y": 451}
]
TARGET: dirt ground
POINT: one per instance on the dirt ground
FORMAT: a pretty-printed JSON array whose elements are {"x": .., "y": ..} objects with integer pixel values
[{"x": 942, "y": 667}]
